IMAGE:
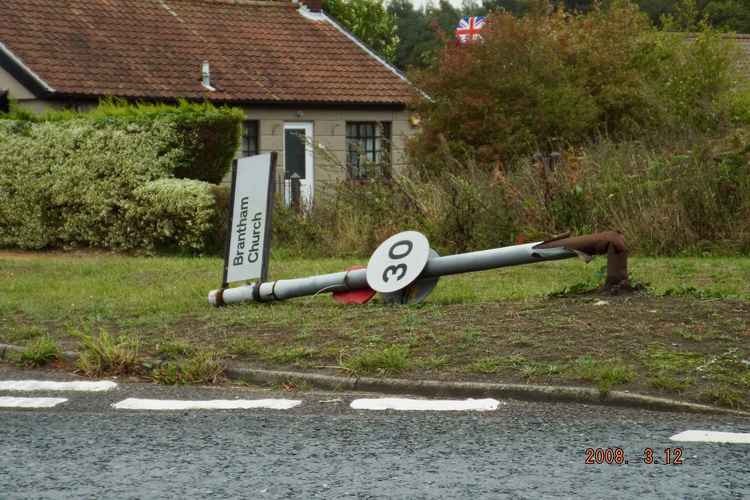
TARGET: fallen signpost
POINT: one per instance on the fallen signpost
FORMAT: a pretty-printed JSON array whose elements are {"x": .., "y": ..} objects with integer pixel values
[{"x": 403, "y": 269}]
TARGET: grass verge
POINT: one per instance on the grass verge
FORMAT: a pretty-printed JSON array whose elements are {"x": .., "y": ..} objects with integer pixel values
[{"x": 686, "y": 337}]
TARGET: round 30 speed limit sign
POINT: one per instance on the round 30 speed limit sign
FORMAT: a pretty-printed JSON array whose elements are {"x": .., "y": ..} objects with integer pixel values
[{"x": 398, "y": 261}]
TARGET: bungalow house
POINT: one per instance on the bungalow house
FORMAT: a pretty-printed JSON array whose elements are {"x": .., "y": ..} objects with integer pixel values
[{"x": 311, "y": 90}]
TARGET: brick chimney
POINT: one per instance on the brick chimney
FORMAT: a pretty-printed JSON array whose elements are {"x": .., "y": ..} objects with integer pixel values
[{"x": 313, "y": 5}]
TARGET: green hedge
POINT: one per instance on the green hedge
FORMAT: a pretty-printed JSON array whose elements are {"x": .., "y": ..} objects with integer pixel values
[
  {"x": 106, "y": 178},
  {"x": 173, "y": 214},
  {"x": 206, "y": 136}
]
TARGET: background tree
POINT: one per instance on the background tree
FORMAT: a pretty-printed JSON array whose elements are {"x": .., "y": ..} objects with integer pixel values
[
  {"x": 732, "y": 15},
  {"x": 369, "y": 21},
  {"x": 422, "y": 32},
  {"x": 656, "y": 9},
  {"x": 416, "y": 40},
  {"x": 729, "y": 14},
  {"x": 515, "y": 7}
]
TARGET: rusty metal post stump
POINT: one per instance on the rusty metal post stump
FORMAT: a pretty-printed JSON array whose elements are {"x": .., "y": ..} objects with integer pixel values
[{"x": 610, "y": 243}]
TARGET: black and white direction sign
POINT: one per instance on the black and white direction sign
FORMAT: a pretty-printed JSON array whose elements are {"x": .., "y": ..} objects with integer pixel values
[
  {"x": 249, "y": 233},
  {"x": 398, "y": 261}
]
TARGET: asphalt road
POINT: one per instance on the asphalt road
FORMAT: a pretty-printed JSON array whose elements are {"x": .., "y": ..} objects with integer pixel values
[{"x": 86, "y": 449}]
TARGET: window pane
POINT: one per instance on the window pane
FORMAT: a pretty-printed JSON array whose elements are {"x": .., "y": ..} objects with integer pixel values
[
  {"x": 250, "y": 138},
  {"x": 366, "y": 144},
  {"x": 294, "y": 153}
]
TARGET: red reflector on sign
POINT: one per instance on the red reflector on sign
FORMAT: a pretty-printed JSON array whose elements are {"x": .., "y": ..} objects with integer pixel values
[{"x": 361, "y": 296}]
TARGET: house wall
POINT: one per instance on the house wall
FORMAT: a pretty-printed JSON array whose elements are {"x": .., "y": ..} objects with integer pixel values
[
  {"x": 20, "y": 93},
  {"x": 329, "y": 136},
  {"x": 17, "y": 91},
  {"x": 744, "y": 43}
]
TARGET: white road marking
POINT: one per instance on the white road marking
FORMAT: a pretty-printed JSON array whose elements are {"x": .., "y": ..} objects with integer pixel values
[
  {"x": 216, "y": 404},
  {"x": 425, "y": 404},
  {"x": 712, "y": 437},
  {"x": 9, "y": 402},
  {"x": 49, "y": 385}
]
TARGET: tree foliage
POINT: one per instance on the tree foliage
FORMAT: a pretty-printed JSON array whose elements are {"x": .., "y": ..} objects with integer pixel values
[
  {"x": 421, "y": 32},
  {"x": 369, "y": 21},
  {"x": 544, "y": 82}
]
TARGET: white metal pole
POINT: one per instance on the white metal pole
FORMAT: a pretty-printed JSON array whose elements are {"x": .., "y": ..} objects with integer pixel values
[{"x": 357, "y": 279}]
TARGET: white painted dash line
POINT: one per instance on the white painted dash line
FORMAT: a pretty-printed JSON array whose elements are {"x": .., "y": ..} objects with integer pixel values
[
  {"x": 216, "y": 404},
  {"x": 9, "y": 402},
  {"x": 425, "y": 404},
  {"x": 50, "y": 385},
  {"x": 712, "y": 437}
]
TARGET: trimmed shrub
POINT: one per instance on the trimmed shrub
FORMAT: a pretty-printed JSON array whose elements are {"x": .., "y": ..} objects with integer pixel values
[
  {"x": 67, "y": 183},
  {"x": 206, "y": 136},
  {"x": 209, "y": 142},
  {"x": 171, "y": 214},
  {"x": 85, "y": 179}
]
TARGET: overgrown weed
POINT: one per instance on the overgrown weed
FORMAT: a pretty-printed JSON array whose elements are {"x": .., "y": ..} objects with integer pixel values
[
  {"x": 201, "y": 368},
  {"x": 40, "y": 352},
  {"x": 388, "y": 361},
  {"x": 104, "y": 354}
]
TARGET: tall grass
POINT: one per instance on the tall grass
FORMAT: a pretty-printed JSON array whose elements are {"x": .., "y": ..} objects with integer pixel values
[{"x": 686, "y": 198}]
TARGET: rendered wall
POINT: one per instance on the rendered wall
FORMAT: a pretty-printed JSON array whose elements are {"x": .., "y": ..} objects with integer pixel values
[
  {"x": 21, "y": 94},
  {"x": 329, "y": 130}
]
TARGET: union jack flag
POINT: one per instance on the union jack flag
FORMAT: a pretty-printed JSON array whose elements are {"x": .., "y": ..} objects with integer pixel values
[{"x": 468, "y": 29}]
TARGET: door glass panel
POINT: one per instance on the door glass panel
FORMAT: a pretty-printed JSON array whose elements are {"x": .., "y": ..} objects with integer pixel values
[{"x": 294, "y": 153}]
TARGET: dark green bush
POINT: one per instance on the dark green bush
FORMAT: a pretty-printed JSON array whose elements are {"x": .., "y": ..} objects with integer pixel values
[
  {"x": 222, "y": 196},
  {"x": 209, "y": 143},
  {"x": 207, "y": 136}
]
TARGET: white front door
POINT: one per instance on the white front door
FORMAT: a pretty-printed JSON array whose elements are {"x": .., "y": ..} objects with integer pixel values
[{"x": 298, "y": 159}]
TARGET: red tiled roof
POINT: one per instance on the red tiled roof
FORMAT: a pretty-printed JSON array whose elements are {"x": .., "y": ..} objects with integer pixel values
[{"x": 258, "y": 51}]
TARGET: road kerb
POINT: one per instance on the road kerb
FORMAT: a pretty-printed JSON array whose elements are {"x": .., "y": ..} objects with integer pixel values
[{"x": 522, "y": 392}]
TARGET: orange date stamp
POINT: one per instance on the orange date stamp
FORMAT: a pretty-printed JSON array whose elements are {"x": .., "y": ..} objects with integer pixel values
[{"x": 648, "y": 456}]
